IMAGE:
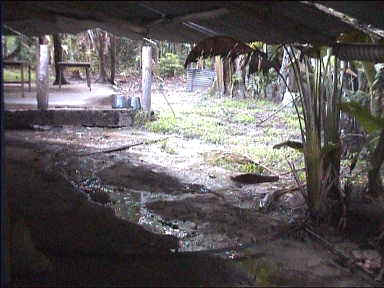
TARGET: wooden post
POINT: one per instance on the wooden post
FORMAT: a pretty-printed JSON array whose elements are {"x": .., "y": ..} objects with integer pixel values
[
  {"x": 219, "y": 75},
  {"x": 22, "y": 79},
  {"x": 113, "y": 57},
  {"x": 29, "y": 77},
  {"x": 60, "y": 74},
  {"x": 146, "y": 79},
  {"x": 88, "y": 77},
  {"x": 42, "y": 79}
]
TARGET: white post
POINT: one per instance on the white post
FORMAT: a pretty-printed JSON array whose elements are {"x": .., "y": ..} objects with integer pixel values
[
  {"x": 146, "y": 78},
  {"x": 42, "y": 79}
]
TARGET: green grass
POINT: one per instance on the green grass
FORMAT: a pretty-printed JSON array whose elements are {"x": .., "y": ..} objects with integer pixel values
[
  {"x": 244, "y": 118},
  {"x": 233, "y": 123},
  {"x": 14, "y": 75},
  {"x": 291, "y": 120},
  {"x": 189, "y": 126}
]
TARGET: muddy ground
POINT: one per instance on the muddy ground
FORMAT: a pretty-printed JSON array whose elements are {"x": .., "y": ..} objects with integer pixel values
[{"x": 174, "y": 201}]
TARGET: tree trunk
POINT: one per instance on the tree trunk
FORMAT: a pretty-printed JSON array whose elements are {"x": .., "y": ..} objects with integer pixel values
[
  {"x": 219, "y": 83},
  {"x": 227, "y": 76},
  {"x": 178, "y": 49},
  {"x": 156, "y": 52},
  {"x": 58, "y": 50},
  {"x": 101, "y": 39},
  {"x": 42, "y": 79},
  {"x": 113, "y": 58},
  {"x": 5, "y": 49},
  {"x": 146, "y": 78},
  {"x": 238, "y": 84},
  {"x": 118, "y": 50},
  {"x": 332, "y": 136}
]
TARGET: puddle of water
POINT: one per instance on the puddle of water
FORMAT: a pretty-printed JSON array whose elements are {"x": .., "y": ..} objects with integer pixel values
[{"x": 130, "y": 204}]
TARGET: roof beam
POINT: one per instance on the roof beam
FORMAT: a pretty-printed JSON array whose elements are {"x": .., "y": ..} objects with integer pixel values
[
  {"x": 199, "y": 15},
  {"x": 200, "y": 29}
]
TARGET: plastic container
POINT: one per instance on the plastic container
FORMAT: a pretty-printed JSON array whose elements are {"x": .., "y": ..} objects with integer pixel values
[
  {"x": 135, "y": 103},
  {"x": 118, "y": 101},
  {"x": 128, "y": 102}
]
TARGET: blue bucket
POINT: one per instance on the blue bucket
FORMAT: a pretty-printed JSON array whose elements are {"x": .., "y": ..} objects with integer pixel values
[
  {"x": 118, "y": 101},
  {"x": 135, "y": 103}
]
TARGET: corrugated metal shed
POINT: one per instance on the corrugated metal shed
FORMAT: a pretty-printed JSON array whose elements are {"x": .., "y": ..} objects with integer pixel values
[{"x": 199, "y": 78}]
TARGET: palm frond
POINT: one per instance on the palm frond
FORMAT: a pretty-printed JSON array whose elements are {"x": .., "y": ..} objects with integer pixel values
[
  {"x": 227, "y": 47},
  {"x": 223, "y": 46}
]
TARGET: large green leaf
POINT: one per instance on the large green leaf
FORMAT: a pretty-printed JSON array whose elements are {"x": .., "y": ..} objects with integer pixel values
[{"x": 362, "y": 114}]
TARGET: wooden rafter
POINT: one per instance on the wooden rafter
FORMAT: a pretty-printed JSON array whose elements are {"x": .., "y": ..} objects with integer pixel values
[{"x": 200, "y": 15}]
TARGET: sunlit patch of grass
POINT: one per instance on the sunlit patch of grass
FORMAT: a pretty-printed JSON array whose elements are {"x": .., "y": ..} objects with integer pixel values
[
  {"x": 244, "y": 118},
  {"x": 242, "y": 140},
  {"x": 225, "y": 163},
  {"x": 245, "y": 103},
  {"x": 226, "y": 122},
  {"x": 251, "y": 168},
  {"x": 291, "y": 119},
  {"x": 235, "y": 103},
  {"x": 14, "y": 75},
  {"x": 233, "y": 162},
  {"x": 164, "y": 124},
  {"x": 206, "y": 111},
  {"x": 276, "y": 159},
  {"x": 190, "y": 127},
  {"x": 272, "y": 132}
]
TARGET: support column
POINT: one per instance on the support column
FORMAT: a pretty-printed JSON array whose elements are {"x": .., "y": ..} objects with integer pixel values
[
  {"x": 22, "y": 79},
  {"x": 146, "y": 79},
  {"x": 29, "y": 77},
  {"x": 42, "y": 79}
]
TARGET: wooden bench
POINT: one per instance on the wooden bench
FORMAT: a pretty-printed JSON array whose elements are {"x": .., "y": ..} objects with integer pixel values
[
  {"x": 85, "y": 65},
  {"x": 20, "y": 64}
]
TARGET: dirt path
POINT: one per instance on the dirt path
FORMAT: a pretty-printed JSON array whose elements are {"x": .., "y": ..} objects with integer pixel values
[{"x": 177, "y": 192}]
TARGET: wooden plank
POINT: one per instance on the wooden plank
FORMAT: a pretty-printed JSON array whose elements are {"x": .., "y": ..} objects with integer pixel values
[
  {"x": 15, "y": 63},
  {"x": 74, "y": 64},
  {"x": 15, "y": 82}
]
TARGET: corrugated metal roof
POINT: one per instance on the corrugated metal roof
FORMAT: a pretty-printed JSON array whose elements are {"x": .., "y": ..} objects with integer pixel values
[{"x": 267, "y": 21}]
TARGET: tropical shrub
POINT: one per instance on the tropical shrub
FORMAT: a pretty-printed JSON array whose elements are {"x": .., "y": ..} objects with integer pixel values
[{"x": 170, "y": 65}]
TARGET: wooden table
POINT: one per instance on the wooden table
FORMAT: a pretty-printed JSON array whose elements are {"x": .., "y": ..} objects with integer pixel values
[
  {"x": 20, "y": 64},
  {"x": 85, "y": 65}
]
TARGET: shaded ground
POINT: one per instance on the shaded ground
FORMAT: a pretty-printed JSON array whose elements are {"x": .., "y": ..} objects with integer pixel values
[{"x": 178, "y": 194}]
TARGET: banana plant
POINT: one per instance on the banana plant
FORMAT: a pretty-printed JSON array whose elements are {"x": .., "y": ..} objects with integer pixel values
[
  {"x": 374, "y": 125},
  {"x": 318, "y": 97}
]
